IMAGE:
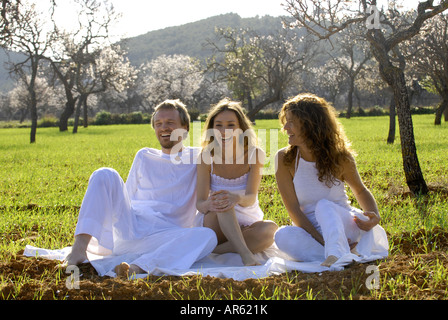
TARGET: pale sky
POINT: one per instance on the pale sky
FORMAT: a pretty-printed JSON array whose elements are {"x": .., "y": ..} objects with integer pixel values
[{"x": 142, "y": 16}]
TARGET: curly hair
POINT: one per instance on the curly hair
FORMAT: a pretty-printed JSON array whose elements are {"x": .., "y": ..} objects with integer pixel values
[{"x": 322, "y": 133}]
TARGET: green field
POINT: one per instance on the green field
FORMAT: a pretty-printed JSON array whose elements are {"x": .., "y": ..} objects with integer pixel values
[{"x": 42, "y": 184}]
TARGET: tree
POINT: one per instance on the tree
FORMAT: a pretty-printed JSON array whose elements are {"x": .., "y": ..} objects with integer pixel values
[
  {"x": 170, "y": 77},
  {"x": 46, "y": 98},
  {"x": 103, "y": 69},
  {"x": 29, "y": 36},
  {"x": 72, "y": 53},
  {"x": 354, "y": 54},
  {"x": 430, "y": 59},
  {"x": 9, "y": 12},
  {"x": 324, "y": 19},
  {"x": 261, "y": 66}
]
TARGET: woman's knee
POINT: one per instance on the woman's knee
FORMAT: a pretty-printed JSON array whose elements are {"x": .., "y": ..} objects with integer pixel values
[{"x": 268, "y": 228}]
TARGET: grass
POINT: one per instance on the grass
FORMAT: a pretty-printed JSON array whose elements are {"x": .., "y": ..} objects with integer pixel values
[{"x": 42, "y": 186}]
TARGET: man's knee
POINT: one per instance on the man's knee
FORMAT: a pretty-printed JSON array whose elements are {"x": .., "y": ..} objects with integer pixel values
[
  {"x": 208, "y": 235},
  {"x": 105, "y": 175}
]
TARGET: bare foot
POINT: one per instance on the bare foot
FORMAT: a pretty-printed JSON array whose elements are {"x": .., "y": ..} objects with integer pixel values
[
  {"x": 79, "y": 250},
  {"x": 249, "y": 260},
  {"x": 76, "y": 257},
  {"x": 122, "y": 270},
  {"x": 354, "y": 251},
  {"x": 329, "y": 261}
]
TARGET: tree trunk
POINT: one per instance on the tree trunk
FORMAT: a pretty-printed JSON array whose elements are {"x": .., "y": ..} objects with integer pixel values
[
  {"x": 249, "y": 103},
  {"x": 440, "y": 110},
  {"x": 85, "y": 114},
  {"x": 350, "y": 98},
  {"x": 66, "y": 114},
  {"x": 392, "y": 121},
  {"x": 78, "y": 113},
  {"x": 412, "y": 170},
  {"x": 274, "y": 98},
  {"x": 33, "y": 109}
]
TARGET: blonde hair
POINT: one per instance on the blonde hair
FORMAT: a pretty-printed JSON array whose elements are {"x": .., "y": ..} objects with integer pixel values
[
  {"x": 322, "y": 132},
  {"x": 175, "y": 105}
]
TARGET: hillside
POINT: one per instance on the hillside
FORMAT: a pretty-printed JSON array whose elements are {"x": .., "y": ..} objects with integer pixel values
[
  {"x": 6, "y": 83},
  {"x": 186, "y": 39},
  {"x": 189, "y": 39}
]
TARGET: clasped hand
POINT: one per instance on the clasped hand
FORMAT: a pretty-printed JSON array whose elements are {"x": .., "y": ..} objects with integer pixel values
[
  {"x": 366, "y": 225},
  {"x": 223, "y": 200}
]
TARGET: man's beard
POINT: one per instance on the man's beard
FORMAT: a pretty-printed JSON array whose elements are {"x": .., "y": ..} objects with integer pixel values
[{"x": 168, "y": 144}]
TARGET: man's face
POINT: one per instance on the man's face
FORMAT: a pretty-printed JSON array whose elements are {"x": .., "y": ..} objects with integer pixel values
[{"x": 165, "y": 122}]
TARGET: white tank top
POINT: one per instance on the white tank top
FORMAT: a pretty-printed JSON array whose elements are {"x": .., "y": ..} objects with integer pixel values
[{"x": 310, "y": 190}]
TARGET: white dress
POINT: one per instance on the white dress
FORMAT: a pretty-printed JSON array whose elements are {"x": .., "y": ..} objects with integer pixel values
[
  {"x": 329, "y": 210},
  {"x": 145, "y": 221},
  {"x": 245, "y": 215}
]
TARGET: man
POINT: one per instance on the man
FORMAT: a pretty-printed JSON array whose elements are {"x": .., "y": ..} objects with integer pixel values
[{"x": 145, "y": 223}]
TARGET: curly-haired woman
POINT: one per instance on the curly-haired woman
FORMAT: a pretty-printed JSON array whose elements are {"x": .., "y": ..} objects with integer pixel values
[{"x": 311, "y": 176}]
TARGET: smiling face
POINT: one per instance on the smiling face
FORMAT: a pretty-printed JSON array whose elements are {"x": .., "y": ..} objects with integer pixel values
[
  {"x": 292, "y": 126},
  {"x": 226, "y": 123},
  {"x": 165, "y": 122}
]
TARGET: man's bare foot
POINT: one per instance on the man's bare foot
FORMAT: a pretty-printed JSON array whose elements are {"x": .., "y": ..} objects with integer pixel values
[
  {"x": 76, "y": 257},
  {"x": 329, "y": 261},
  {"x": 79, "y": 250}
]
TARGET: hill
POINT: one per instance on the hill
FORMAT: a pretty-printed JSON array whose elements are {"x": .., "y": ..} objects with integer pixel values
[{"x": 189, "y": 39}]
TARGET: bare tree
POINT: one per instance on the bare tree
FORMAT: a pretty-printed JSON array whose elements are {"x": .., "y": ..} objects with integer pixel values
[
  {"x": 354, "y": 54},
  {"x": 102, "y": 70},
  {"x": 71, "y": 54},
  {"x": 261, "y": 66},
  {"x": 324, "y": 18},
  {"x": 29, "y": 37},
  {"x": 173, "y": 76},
  {"x": 430, "y": 59}
]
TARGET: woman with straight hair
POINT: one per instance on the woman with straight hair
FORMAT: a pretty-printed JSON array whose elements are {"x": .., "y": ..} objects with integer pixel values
[{"x": 229, "y": 175}]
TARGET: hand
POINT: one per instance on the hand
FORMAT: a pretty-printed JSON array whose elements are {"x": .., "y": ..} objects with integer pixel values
[
  {"x": 367, "y": 225},
  {"x": 223, "y": 200}
]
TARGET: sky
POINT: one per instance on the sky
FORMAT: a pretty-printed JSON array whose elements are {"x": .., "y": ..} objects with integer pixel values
[{"x": 142, "y": 16}]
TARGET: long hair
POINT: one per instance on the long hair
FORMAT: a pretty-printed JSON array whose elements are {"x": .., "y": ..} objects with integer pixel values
[
  {"x": 322, "y": 133},
  {"x": 248, "y": 138}
]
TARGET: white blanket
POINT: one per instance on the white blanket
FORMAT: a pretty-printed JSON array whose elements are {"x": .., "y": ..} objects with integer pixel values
[{"x": 227, "y": 265}]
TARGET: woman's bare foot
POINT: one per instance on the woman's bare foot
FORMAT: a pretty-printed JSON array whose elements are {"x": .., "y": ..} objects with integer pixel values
[
  {"x": 354, "y": 251},
  {"x": 124, "y": 270},
  {"x": 250, "y": 260},
  {"x": 329, "y": 261}
]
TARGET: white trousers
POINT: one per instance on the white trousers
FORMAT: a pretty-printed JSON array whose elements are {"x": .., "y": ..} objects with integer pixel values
[
  {"x": 336, "y": 225},
  {"x": 123, "y": 234}
]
